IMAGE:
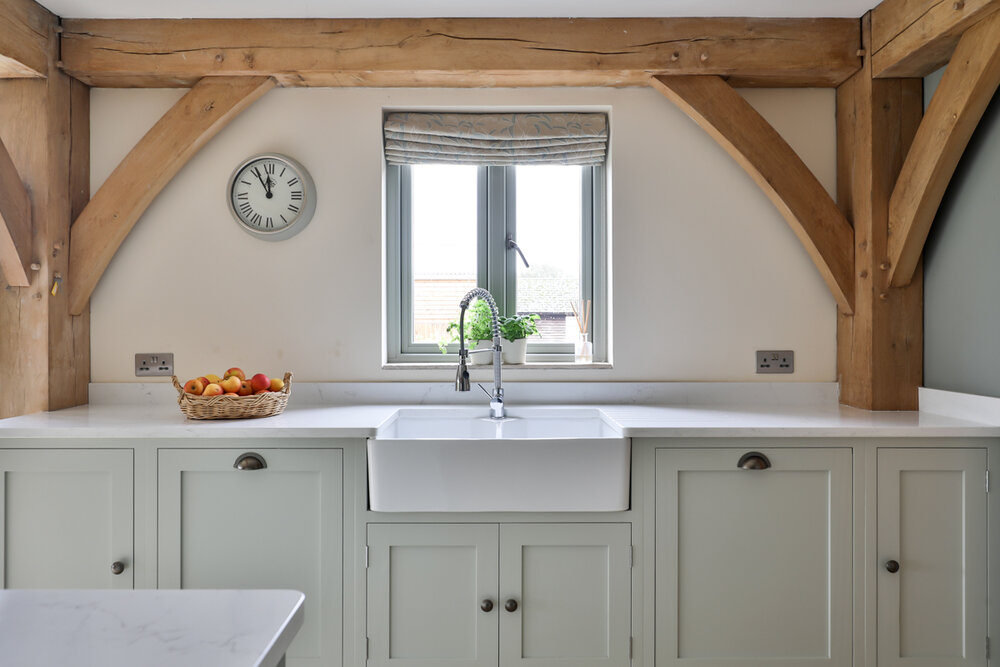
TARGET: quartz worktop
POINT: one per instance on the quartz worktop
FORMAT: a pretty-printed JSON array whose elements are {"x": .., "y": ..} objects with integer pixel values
[
  {"x": 787, "y": 411},
  {"x": 95, "y": 628}
]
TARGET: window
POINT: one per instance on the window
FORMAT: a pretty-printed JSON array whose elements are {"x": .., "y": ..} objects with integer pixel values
[
  {"x": 454, "y": 224},
  {"x": 448, "y": 230}
]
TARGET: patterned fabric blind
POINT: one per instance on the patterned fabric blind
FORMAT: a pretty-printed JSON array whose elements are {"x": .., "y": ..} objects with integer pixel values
[{"x": 496, "y": 138}]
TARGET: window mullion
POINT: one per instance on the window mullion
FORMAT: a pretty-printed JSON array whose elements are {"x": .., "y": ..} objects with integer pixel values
[{"x": 496, "y": 265}]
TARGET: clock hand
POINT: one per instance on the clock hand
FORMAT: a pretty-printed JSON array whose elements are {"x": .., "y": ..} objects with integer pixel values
[{"x": 261, "y": 179}]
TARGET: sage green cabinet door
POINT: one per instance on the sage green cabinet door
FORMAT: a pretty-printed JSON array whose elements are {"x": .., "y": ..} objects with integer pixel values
[
  {"x": 932, "y": 522},
  {"x": 753, "y": 567},
  {"x": 67, "y": 517},
  {"x": 426, "y": 587},
  {"x": 572, "y": 587},
  {"x": 278, "y": 527}
]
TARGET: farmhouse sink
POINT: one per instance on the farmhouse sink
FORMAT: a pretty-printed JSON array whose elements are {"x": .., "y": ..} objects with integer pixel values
[{"x": 537, "y": 459}]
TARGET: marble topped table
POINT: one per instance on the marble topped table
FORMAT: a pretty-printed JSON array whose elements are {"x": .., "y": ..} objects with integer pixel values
[{"x": 151, "y": 628}]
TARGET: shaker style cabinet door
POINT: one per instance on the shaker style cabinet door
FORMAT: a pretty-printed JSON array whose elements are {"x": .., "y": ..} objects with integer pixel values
[
  {"x": 931, "y": 576},
  {"x": 275, "y": 523},
  {"x": 67, "y": 518},
  {"x": 565, "y": 595},
  {"x": 753, "y": 566},
  {"x": 432, "y": 595}
]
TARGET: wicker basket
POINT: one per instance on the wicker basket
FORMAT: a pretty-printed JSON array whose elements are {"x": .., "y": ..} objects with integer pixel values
[{"x": 233, "y": 407}]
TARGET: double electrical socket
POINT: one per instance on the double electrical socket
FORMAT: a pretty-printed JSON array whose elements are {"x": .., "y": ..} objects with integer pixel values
[
  {"x": 775, "y": 361},
  {"x": 160, "y": 363}
]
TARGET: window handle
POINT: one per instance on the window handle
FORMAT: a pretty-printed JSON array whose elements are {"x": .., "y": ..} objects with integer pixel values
[{"x": 512, "y": 244}]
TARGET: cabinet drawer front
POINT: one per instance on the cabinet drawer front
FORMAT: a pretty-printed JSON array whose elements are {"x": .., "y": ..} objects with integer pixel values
[
  {"x": 67, "y": 516},
  {"x": 753, "y": 566},
  {"x": 279, "y": 527},
  {"x": 426, "y": 585},
  {"x": 932, "y": 522}
]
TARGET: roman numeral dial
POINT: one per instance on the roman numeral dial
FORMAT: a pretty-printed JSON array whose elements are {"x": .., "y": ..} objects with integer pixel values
[{"x": 272, "y": 196}]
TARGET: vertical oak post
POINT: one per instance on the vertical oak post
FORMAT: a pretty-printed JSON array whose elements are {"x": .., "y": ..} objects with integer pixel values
[
  {"x": 879, "y": 346},
  {"x": 44, "y": 352}
]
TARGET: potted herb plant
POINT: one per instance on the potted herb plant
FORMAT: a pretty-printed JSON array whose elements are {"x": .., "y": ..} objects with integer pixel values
[
  {"x": 515, "y": 331},
  {"x": 478, "y": 332}
]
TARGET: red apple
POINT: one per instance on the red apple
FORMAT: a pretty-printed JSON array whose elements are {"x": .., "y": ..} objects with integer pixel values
[
  {"x": 245, "y": 388},
  {"x": 235, "y": 371},
  {"x": 260, "y": 381},
  {"x": 205, "y": 381},
  {"x": 195, "y": 387},
  {"x": 230, "y": 393},
  {"x": 212, "y": 390}
]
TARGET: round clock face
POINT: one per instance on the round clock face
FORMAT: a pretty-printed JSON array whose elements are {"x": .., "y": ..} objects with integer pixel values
[{"x": 272, "y": 197}]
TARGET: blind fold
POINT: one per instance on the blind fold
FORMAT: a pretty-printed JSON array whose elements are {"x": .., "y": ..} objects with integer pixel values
[{"x": 496, "y": 139}]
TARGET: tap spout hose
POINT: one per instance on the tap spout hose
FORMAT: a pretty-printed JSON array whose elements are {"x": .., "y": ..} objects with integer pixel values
[{"x": 480, "y": 293}]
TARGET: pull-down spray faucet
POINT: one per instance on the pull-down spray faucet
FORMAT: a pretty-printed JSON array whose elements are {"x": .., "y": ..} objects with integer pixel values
[{"x": 462, "y": 382}]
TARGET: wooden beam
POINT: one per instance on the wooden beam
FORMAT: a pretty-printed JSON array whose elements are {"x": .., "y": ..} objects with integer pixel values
[
  {"x": 44, "y": 352},
  {"x": 880, "y": 346},
  {"x": 777, "y": 170},
  {"x": 460, "y": 52},
  {"x": 150, "y": 165},
  {"x": 24, "y": 26},
  {"x": 912, "y": 38},
  {"x": 15, "y": 224},
  {"x": 968, "y": 85}
]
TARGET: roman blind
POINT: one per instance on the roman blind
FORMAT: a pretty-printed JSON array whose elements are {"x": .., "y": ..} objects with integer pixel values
[{"x": 496, "y": 139}]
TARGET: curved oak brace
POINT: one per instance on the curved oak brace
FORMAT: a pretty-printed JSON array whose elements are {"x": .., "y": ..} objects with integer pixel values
[
  {"x": 777, "y": 169},
  {"x": 959, "y": 102},
  {"x": 150, "y": 165},
  {"x": 15, "y": 224}
]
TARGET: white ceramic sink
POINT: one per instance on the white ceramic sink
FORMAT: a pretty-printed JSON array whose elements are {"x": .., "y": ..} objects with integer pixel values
[{"x": 537, "y": 460}]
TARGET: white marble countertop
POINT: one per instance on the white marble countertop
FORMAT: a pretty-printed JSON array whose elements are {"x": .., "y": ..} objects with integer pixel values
[
  {"x": 152, "y": 628},
  {"x": 358, "y": 421}
]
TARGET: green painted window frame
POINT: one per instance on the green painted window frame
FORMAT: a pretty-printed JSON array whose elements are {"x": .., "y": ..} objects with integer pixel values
[{"x": 496, "y": 270}]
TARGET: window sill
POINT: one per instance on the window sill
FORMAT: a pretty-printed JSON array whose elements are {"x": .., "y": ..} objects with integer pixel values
[{"x": 536, "y": 365}]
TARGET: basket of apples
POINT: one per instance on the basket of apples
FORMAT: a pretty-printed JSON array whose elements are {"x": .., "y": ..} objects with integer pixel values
[{"x": 233, "y": 396}]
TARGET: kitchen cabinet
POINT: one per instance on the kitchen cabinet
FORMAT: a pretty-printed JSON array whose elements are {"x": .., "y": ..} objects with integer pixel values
[
  {"x": 932, "y": 557},
  {"x": 67, "y": 518},
  {"x": 753, "y": 566},
  {"x": 479, "y": 594},
  {"x": 276, "y": 522}
]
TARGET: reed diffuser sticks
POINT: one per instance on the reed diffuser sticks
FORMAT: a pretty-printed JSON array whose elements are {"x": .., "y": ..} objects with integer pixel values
[{"x": 585, "y": 309}]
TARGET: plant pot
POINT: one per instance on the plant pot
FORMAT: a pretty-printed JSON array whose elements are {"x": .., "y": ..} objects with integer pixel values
[
  {"x": 514, "y": 351},
  {"x": 481, "y": 358}
]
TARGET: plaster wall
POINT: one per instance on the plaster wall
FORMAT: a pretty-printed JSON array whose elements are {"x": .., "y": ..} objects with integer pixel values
[{"x": 704, "y": 269}]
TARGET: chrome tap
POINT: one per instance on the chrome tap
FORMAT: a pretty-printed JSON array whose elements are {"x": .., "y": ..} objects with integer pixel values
[{"x": 462, "y": 376}]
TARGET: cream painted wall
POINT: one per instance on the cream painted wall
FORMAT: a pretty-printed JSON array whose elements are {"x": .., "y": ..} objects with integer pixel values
[{"x": 704, "y": 269}]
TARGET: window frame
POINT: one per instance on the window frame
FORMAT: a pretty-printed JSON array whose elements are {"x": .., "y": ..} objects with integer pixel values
[{"x": 496, "y": 217}]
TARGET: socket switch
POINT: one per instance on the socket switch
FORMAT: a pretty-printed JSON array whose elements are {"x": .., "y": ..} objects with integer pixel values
[
  {"x": 775, "y": 361},
  {"x": 148, "y": 365}
]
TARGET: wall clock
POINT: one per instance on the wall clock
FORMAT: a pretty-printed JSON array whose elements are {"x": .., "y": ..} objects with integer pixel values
[{"x": 272, "y": 196}]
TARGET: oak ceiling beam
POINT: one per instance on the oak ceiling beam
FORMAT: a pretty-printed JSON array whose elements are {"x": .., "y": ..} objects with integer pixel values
[
  {"x": 24, "y": 35},
  {"x": 461, "y": 52},
  {"x": 777, "y": 170},
  {"x": 150, "y": 165},
  {"x": 968, "y": 85},
  {"x": 912, "y": 38},
  {"x": 15, "y": 224}
]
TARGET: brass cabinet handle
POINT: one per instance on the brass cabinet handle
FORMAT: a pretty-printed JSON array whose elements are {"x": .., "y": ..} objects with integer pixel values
[
  {"x": 510, "y": 605},
  {"x": 892, "y": 566},
  {"x": 250, "y": 461},
  {"x": 117, "y": 567},
  {"x": 753, "y": 461},
  {"x": 487, "y": 605}
]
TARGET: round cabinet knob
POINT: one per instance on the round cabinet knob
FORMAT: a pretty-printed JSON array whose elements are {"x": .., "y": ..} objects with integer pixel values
[
  {"x": 892, "y": 566},
  {"x": 117, "y": 567},
  {"x": 510, "y": 605},
  {"x": 487, "y": 606}
]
